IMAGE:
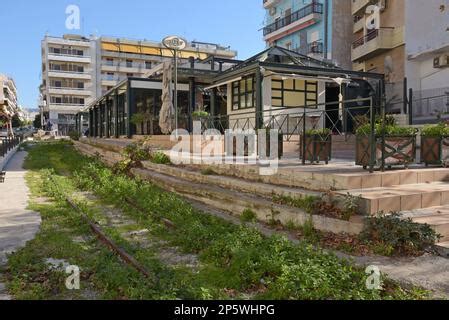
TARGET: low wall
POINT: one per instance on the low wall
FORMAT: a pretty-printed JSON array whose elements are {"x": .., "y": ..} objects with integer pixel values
[{"x": 4, "y": 161}]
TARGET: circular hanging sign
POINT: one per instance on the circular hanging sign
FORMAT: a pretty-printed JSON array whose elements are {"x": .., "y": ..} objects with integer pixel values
[{"x": 174, "y": 42}]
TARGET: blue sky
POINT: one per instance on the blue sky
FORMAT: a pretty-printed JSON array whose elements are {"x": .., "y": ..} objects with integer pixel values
[{"x": 230, "y": 22}]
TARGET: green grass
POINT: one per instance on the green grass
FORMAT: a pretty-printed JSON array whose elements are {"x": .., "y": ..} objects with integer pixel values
[{"x": 236, "y": 261}]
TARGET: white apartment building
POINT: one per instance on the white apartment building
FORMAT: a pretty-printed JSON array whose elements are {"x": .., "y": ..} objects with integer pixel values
[
  {"x": 8, "y": 100},
  {"x": 78, "y": 70},
  {"x": 68, "y": 79}
]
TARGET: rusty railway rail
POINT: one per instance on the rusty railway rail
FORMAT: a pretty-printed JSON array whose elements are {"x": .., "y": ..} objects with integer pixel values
[{"x": 101, "y": 235}]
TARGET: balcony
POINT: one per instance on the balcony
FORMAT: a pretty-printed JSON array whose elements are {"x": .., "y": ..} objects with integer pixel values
[
  {"x": 267, "y": 4},
  {"x": 298, "y": 20},
  {"x": 377, "y": 41},
  {"x": 358, "y": 5},
  {"x": 70, "y": 91},
  {"x": 123, "y": 67},
  {"x": 68, "y": 58},
  {"x": 69, "y": 74}
]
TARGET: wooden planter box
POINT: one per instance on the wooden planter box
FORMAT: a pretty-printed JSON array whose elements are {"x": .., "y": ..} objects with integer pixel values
[
  {"x": 399, "y": 150},
  {"x": 435, "y": 150},
  {"x": 318, "y": 148}
]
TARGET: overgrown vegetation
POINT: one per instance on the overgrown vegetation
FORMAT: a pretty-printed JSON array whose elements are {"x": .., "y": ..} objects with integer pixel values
[
  {"x": 390, "y": 234},
  {"x": 435, "y": 131},
  {"x": 236, "y": 262},
  {"x": 387, "y": 127},
  {"x": 248, "y": 215},
  {"x": 159, "y": 157},
  {"x": 74, "y": 135},
  {"x": 322, "y": 206}
]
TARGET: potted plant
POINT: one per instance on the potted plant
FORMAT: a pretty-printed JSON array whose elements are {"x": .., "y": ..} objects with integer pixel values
[
  {"x": 267, "y": 131},
  {"x": 394, "y": 145},
  {"x": 198, "y": 115},
  {"x": 435, "y": 144},
  {"x": 318, "y": 145}
]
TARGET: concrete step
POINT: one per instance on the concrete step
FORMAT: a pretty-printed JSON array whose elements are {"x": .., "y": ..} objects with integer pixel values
[
  {"x": 236, "y": 202},
  {"x": 436, "y": 217},
  {"x": 402, "y": 197},
  {"x": 231, "y": 183},
  {"x": 443, "y": 249}
]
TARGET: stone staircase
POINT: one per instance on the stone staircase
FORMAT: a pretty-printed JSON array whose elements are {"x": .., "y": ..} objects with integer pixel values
[{"x": 421, "y": 194}]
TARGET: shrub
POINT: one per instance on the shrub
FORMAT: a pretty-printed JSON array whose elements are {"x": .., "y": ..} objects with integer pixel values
[
  {"x": 438, "y": 130},
  {"x": 400, "y": 236},
  {"x": 74, "y": 135},
  {"x": 248, "y": 216},
  {"x": 319, "y": 132},
  {"x": 160, "y": 158},
  {"x": 200, "y": 114}
]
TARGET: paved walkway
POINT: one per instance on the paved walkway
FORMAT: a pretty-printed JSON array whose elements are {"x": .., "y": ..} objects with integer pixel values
[{"x": 17, "y": 224}]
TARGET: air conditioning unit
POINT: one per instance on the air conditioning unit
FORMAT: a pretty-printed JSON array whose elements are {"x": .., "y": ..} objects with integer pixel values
[
  {"x": 441, "y": 61},
  {"x": 273, "y": 11}
]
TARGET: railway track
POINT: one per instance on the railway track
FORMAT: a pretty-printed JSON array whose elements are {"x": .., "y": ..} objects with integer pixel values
[{"x": 102, "y": 236}]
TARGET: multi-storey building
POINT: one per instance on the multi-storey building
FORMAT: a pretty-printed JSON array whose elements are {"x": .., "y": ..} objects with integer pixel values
[
  {"x": 404, "y": 40},
  {"x": 77, "y": 70},
  {"x": 8, "y": 101},
  {"x": 68, "y": 79},
  {"x": 318, "y": 28},
  {"x": 123, "y": 58},
  {"x": 379, "y": 42}
]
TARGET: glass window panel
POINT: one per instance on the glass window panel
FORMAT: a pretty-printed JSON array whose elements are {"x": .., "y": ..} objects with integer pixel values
[
  {"x": 294, "y": 99},
  {"x": 276, "y": 84},
  {"x": 289, "y": 84},
  {"x": 276, "y": 93},
  {"x": 276, "y": 102},
  {"x": 300, "y": 85}
]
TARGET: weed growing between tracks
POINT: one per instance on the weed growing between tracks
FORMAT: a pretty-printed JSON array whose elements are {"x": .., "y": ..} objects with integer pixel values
[{"x": 236, "y": 262}]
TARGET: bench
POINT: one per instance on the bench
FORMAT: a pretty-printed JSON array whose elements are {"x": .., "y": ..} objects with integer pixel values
[{"x": 2, "y": 176}]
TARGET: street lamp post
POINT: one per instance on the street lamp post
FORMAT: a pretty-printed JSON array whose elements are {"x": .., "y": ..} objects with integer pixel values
[{"x": 175, "y": 43}]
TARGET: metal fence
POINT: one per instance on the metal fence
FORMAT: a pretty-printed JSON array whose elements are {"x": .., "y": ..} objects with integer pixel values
[
  {"x": 8, "y": 143},
  {"x": 313, "y": 126},
  {"x": 430, "y": 106}
]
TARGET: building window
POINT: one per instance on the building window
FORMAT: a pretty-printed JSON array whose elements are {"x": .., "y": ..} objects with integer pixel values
[
  {"x": 294, "y": 93},
  {"x": 243, "y": 93},
  {"x": 129, "y": 63},
  {"x": 109, "y": 61},
  {"x": 130, "y": 75},
  {"x": 147, "y": 64}
]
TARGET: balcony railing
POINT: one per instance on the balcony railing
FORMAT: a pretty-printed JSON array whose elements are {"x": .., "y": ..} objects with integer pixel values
[
  {"x": 373, "y": 34},
  {"x": 70, "y": 88},
  {"x": 295, "y": 16}
]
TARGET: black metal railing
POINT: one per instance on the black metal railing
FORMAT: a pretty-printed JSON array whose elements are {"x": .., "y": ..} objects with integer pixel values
[
  {"x": 295, "y": 16},
  {"x": 8, "y": 143},
  {"x": 373, "y": 34},
  {"x": 298, "y": 125}
]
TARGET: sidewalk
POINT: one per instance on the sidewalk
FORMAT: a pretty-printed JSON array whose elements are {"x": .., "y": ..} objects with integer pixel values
[{"x": 17, "y": 224}]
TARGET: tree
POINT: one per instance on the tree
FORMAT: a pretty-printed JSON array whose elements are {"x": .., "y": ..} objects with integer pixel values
[
  {"x": 16, "y": 122},
  {"x": 37, "y": 122}
]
